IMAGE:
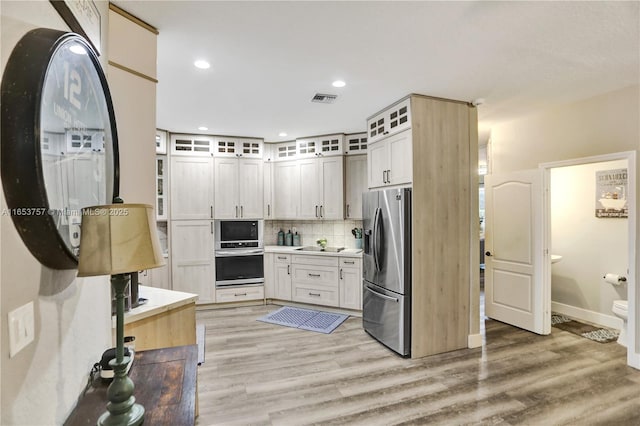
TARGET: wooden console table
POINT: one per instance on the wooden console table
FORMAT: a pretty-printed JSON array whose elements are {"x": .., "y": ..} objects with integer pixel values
[{"x": 165, "y": 384}]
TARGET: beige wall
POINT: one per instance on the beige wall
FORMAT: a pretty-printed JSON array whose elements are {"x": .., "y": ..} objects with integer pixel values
[
  {"x": 599, "y": 125},
  {"x": 40, "y": 385}
]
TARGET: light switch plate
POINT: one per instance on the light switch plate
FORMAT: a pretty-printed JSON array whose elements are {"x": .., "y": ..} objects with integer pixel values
[{"x": 21, "y": 328}]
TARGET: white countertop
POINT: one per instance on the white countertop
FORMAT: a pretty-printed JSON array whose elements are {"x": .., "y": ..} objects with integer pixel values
[
  {"x": 349, "y": 252},
  {"x": 158, "y": 300}
]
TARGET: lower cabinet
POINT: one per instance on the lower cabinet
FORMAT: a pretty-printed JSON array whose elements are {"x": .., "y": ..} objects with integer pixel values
[
  {"x": 317, "y": 279},
  {"x": 192, "y": 261},
  {"x": 239, "y": 294},
  {"x": 157, "y": 277}
]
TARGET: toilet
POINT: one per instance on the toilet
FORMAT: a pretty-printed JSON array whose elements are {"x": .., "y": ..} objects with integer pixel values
[{"x": 620, "y": 310}]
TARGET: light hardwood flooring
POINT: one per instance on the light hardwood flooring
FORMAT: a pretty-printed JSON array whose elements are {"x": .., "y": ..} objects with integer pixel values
[{"x": 263, "y": 374}]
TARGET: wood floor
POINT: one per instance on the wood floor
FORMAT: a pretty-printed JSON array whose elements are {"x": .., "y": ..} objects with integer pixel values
[{"x": 263, "y": 374}]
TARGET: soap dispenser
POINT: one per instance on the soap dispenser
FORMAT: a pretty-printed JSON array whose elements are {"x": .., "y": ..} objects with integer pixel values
[
  {"x": 296, "y": 239},
  {"x": 281, "y": 238},
  {"x": 288, "y": 238}
]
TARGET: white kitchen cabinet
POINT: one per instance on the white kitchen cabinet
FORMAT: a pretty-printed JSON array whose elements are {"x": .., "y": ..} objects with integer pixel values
[
  {"x": 240, "y": 294},
  {"x": 161, "y": 142},
  {"x": 286, "y": 189},
  {"x": 355, "y": 184},
  {"x": 392, "y": 120},
  {"x": 162, "y": 178},
  {"x": 282, "y": 276},
  {"x": 285, "y": 150},
  {"x": 192, "y": 258},
  {"x": 238, "y": 188},
  {"x": 315, "y": 280},
  {"x": 192, "y": 145},
  {"x": 225, "y": 146},
  {"x": 156, "y": 277},
  {"x": 355, "y": 144},
  {"x": 269, "y": 275},
  {"x": 320, "y": 146},
  {"x": 350, "y": 276},
  {"x": 191, "y": 188},
  {"x": 321, "y": 188},
  {"x": 390, "y": 161},
  {"x": 267, "y": 184}
]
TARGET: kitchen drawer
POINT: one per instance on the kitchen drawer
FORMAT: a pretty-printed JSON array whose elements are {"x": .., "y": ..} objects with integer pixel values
[
  {"x": 319, "y": 260},
  {"x": 311, "y": 294},
  {"x": 325, "y": 276},
  {"x": 350, "y": 261},
  {"x": 237, "y": 294},
  {"x": 282, "y": 258}
]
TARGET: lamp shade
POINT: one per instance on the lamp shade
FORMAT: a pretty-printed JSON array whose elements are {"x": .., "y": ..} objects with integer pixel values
[{"x": 117, "y": 239}]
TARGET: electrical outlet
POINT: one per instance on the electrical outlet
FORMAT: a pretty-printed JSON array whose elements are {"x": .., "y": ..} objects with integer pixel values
[{"x": 21, "y": 328}]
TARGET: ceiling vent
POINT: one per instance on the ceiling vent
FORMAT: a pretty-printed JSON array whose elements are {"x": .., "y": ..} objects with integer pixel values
[{"x": 324, "y": 98}]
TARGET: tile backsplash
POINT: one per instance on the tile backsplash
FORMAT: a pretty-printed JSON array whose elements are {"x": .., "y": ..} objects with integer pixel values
[{"x": 337, "y": 232}]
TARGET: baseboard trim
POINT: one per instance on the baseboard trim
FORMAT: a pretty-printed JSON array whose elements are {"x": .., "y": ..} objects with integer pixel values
[
  {"x": 597, "y": 318},
  {"x": 474, "y": 341}
]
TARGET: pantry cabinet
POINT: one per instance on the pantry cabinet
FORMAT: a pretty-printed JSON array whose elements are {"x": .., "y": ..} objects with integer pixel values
[
  {"x": 238, "y": 188},
  {"x": 267, "y": 183},
  {"x": 355, "y": 144},
  {"x": 355, "y": 176},
  {"x": 191, "y": 188},
  {"x": 192, "y": 258},
  {"x": 390, "y": 161}
]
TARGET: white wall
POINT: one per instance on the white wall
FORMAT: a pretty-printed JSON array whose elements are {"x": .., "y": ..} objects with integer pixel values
[
  {"x": 590, "y": 246},
  {"x": 600, "y": 125},
  {"x": 40, "y": 385}
]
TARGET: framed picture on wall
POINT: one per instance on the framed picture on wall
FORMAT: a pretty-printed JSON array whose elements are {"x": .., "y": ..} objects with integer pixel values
[
  {"x": 83, "y": 18},
  {"x": 611, "y": 193}
]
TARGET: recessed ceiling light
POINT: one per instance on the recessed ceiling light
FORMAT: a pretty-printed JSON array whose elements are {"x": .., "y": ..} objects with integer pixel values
[
  {"x": 203, "y": 128},
  {"x": 338, "y": 83},
  {"x": 202, "y": 64},
  {"x": 282, "y": 134},
  {"x": 78, "y": 50}
]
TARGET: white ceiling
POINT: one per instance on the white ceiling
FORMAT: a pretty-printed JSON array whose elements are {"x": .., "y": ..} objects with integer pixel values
[{"x": 270, "y": 58}]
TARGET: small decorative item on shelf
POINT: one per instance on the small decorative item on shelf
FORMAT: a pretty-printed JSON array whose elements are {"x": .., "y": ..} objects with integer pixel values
[
  {"x": 357, "y": 233},
  {"x": 322, "y": 242}
]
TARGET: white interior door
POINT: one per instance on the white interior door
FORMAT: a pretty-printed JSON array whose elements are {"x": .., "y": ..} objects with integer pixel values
[{"x": 516, "y": 291}]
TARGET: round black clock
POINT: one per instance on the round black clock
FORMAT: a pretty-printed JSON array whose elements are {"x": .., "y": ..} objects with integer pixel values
[{"x": 59, "y": 146}]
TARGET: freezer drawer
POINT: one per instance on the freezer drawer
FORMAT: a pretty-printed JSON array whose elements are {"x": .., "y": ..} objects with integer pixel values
[{"x": 385, "y": 316}]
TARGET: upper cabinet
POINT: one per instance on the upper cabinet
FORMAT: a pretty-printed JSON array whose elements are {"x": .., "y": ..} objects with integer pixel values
[
  {"x": 161, "y": 142},
  {"x": 320, "y": 146},
  {"x": 355, "y": 183},
  {"x": 238, "y": 147},
  {"x": 192, "y": 145},
  {"x": 285, "y": 150},
  {"x": 191, "y": 188},
  {"x": 390, "y": 161},
  {"x": 286, "y": 189},
  {"x": 238, "y": 188},
  {"x": 392, "y": 120},
  {"x": 355, "y": 144},
  {"x": 161, "y": 188}
]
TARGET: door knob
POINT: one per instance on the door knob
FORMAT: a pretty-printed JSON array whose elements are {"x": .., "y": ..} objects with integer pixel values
[{"x": 487, "y": 253}]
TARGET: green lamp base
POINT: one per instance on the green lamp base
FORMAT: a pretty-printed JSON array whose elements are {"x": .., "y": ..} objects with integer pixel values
[{"x": 121, "y": 408}]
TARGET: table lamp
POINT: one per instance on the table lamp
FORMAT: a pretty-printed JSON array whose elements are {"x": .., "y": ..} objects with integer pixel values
[{"x": 118, "y": 239}]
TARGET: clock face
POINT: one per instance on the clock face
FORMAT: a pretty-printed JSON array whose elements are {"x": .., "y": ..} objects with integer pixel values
[{"x": 64, "y": 132}]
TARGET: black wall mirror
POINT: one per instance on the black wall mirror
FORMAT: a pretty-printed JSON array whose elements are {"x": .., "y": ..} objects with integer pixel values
[{"x": 59, "y": 145}]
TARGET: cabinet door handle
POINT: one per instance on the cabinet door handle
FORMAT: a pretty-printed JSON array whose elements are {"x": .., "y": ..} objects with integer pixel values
[
  {"x": 211, "y": 208},
  {"x": 314, "y": 275},
  {"x": 288, "y": 269},
  {"x": 282, "y": 257},
  {"x": 241, "y": 211},
  {"x": 347, "y": 210},
  {"x": 316, "y": 211},
  {"x": 384, "y": 176},
  {"x": 341, "y": 276},
  {"x": 211, "y": 228},
  {"x": 321, "y": 208},
  {"x": 349, "y": 262},
  {"x": 388, "y": 176},
  {"x": 314, "y": 294},
  {"x": 269, "y": 210},
  {"x": 239, "y": 294}
]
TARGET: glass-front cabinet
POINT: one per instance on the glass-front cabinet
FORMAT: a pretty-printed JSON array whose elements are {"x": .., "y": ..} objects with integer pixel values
[{"x": 161, "y": 187}]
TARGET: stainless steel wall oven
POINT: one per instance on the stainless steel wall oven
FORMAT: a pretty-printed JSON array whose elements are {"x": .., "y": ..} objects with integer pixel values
[{"x": 239, "y": 252}]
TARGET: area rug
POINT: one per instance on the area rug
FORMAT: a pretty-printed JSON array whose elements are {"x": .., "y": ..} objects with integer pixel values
[
  {"x": 200, "y": 333},
  {"x": 591, "y": 332},
  {"x": 305, "y": 319}
]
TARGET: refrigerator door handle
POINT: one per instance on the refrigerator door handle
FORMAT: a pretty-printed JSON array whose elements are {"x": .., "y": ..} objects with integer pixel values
[
  {"x": 384, "y": 296},
  {"x": 376, "y": 219}
]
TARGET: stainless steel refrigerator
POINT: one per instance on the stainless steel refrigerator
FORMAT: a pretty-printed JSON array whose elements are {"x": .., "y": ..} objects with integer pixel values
[{"x": 386, "y": 308}]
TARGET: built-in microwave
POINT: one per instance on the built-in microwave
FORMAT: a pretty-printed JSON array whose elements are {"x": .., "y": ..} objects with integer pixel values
[{"x": 238, "y": 234}]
